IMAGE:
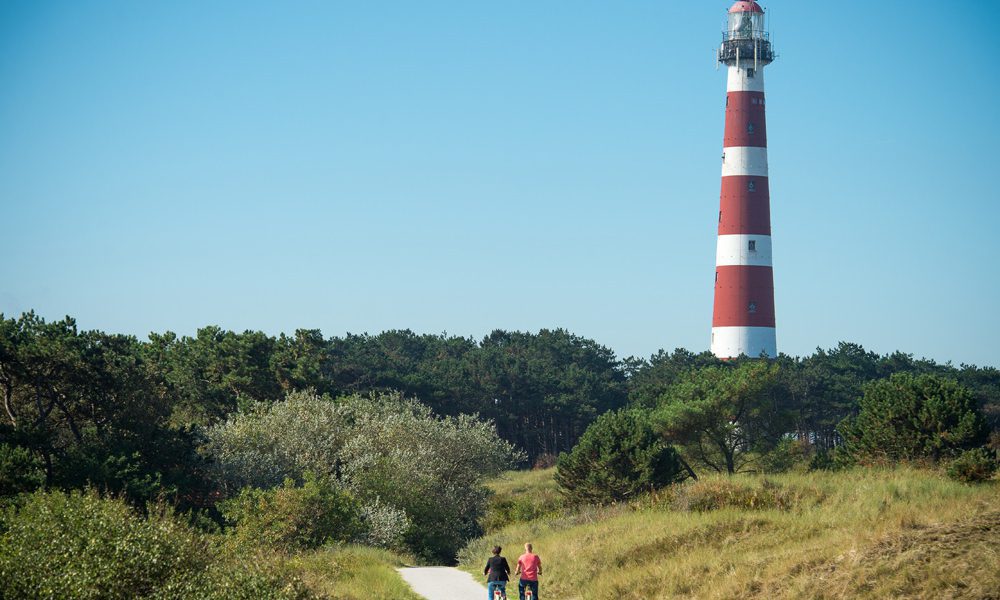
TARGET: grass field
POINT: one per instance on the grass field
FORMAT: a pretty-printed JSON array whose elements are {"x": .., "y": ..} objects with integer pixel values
[
  {"x": 352, "y": 573},
  {"x": 858, "y": 534}
]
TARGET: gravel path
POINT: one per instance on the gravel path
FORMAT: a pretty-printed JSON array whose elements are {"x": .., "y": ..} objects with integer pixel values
[{"x": 443, "y": 583}]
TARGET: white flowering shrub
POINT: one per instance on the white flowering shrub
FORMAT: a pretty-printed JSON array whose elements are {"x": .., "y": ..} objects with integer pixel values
[
  {"x": 271, "y": 442},
  {"x": 418, "y": 476},
  {"x": 430, "y": 467},
  {"x": 384, "y": 525}
]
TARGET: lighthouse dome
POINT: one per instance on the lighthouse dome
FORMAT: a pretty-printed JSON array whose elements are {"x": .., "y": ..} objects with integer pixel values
[{"x": 746, "y": 6}]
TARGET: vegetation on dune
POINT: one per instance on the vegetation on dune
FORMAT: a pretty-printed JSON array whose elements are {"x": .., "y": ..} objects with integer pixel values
[
  {"x": 724, "y": 418},
  {"x": 911, "y": 418},
  {"x": 352, "y": 573},
  {"x": 860, "y": 533},
  {"x": 417, "y": 478},
  {"x": 519, "y": 496},
  {"x": 80, "y": 545},
  {"x": 246, "y": 465},
  {"x": 619, "y": 457}
]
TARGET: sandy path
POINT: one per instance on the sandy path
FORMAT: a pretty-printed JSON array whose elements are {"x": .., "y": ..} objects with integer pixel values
[{"x": 443, "y": 583}]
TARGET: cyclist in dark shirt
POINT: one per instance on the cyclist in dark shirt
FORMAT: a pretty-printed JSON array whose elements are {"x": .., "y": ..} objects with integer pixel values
[{"x": 497, "y": 573}]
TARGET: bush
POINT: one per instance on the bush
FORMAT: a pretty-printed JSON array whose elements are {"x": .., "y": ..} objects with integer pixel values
[
  {"x": 79, "y": 545},
  {"x": 431, "y": 468},
  {"x": 293, "y": 518},
  {"x": 617, "y": 458},
  {"x": 409, "y": 468},
  {"x": 913, "y": 418},
  {"x": 384, "y": 525},
  {"x": 828, "y": 460},
  {"x": 789, "y": 454},
  {"x": 269, "y": 442},
  {"x": 20, "y": 471},
  {"x": 973, "y": 466}
]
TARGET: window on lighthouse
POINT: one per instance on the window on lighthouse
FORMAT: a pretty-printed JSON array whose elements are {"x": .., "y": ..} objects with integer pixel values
[
  {"x": 749, "y": 127},
  {"x": 752, "y": 307},
  {"x": 752, "y": 245},
  {"x": 751, "y": 73},
  {"x": 751, "y": 186}
]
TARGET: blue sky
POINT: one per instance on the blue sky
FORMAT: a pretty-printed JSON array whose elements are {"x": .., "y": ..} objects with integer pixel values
[{"x": 464, "y": 166}]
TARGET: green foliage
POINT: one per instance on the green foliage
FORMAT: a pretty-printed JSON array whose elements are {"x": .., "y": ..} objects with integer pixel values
[
  {"x": 418, "y": 477},
  {"x": 907, "y": 417},
  {"x": 79, "y": 545},
  {"x": 520, "y": 496},
  {"x": 827, "y": 460},
  {"x": 269, "y": 442},
  {"x": 430, "y": 468},
  {"x": 207, "y": 375},
  {"x": 619, "y": 456},
  {"x": 973, "y": 466},
  {"x": 789, "y": 454},
  {"x": 294, "y": 517},
  {"x": 20, "y": 471},
  {"x": 503, "y": 511},
  {"x": 89, "y": 407},
  {"x": 724, "y": 418},
  {"x": 649, "y": 380}
]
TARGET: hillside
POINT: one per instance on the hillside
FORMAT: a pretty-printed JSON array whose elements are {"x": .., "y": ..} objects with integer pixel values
[{"x": 859, "y": 534}]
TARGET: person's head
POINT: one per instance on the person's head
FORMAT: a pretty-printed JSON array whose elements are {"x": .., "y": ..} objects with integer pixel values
[
  {"x": 496, "y": 550},
  {"x": 527, "y": 548}
]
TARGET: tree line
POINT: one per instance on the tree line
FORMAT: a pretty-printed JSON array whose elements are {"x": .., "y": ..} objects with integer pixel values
[{"x": 128, "y": 415}]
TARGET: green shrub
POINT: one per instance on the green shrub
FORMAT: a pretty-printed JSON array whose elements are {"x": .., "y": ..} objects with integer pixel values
[
  {"x": 913, "y": 418},
  {"x": 973, "y": 466},
  {"x": 619, "y": 457},
  {"x": 250, "y": 577},
  {"x": 789, "y": 454},
  {"x": 417, "y": 476},
  {"x": 828, "y": 460},
  {"x": 294, "y": 517},
  {"x": 20, "y": 471},
  {"x": 79, "y": 545}
]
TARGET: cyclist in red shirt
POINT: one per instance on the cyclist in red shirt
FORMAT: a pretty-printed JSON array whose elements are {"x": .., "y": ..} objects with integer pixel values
[{"x": 529, "y": 567}]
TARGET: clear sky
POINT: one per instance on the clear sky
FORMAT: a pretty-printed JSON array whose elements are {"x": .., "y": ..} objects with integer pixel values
[{"x": 465, "y": 166}]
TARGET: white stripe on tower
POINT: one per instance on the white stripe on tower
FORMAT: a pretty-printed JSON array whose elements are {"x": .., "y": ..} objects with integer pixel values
[
  {"x": 743, "y": 317},
  {"x": 743, "y": 249},
  {"x": 744, "y": 160}
]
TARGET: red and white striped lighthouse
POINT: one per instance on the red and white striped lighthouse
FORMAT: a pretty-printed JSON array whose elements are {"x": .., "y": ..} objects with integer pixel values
[{"x": 743, "y": 319}]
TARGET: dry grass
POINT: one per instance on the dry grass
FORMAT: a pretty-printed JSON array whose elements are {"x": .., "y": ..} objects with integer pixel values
[
  {"x": 352, "y": 573},
  {"x": 858, "y": 534},
  {"x": 521, "y": 496}
]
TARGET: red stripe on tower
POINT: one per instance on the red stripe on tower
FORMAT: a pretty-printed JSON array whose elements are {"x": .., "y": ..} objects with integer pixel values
[{"x": 743, "y": 318}]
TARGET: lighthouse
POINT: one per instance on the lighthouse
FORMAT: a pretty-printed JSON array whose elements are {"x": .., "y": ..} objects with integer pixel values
[{"x": 743, "y": 316}]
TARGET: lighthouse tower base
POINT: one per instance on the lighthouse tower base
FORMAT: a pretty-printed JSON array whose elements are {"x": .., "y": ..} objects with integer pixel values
[{"x": 731, "y": 342}]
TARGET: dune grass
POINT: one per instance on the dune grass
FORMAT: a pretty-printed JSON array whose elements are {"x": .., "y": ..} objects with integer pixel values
[
  {"x": 900, "y": 533},
  {"x": 519, "y": 496},
  {"x": 352, "y": 573}
]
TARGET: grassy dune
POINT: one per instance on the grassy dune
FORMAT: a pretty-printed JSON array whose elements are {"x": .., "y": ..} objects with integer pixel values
[
  {"x": 352, "y": 573},
  {"x": 859, "y": 534}
]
